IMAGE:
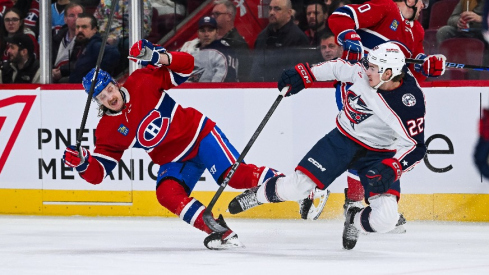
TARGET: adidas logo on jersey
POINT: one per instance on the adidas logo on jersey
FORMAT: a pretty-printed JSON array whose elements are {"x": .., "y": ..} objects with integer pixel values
[{"x": 213, "y": 169}]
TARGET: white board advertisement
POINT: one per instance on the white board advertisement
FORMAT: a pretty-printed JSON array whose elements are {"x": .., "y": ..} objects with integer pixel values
[{"x": 36, "y": 126}]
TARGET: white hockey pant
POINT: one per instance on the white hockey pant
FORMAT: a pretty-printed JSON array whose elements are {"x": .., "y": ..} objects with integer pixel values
[{"x": 383, "y": 216}]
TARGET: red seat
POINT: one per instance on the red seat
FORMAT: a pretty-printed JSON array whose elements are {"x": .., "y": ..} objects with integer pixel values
[
  {"x": 472, "y": 53},
  {"x": 193, "y": 5},
  {"x": 440, "y": 12},
  {"x": 429, "y": 43}
]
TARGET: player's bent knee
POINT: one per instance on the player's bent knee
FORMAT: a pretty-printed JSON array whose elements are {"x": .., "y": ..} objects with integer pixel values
[
  {"x": 169, "y": 192},
  {"x": 384, "y": 215},
  {"x": 294, "y": 187}
]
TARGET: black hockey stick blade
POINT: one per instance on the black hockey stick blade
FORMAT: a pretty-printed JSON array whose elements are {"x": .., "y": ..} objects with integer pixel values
[
  {"x": 207, "y": 216},
  {"x": 452, "y": 65},
  {"x": 92, "y": 87}
]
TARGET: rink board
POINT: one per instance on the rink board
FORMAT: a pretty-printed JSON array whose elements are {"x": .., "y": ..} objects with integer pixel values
[{"x": 36, "y": 123}]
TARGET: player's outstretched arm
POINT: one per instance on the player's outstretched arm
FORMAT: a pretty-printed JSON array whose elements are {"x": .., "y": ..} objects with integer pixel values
[{"x": 145, "y": 53}]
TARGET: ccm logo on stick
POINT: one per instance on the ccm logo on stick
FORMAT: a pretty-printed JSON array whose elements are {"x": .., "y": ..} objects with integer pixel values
[{"x": 317, "y": 164}]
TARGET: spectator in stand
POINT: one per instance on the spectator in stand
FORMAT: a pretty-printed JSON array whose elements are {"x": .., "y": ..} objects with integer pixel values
[
  {"x": 224, "y": 11},
  {"x": 317, "y": 15},
  {"x": 329, "y": 48},
  {"x": 58, "y": 14},
  {"x": 215, "y": 59},
  {"x": 85, "y": 52},
  {"x": 276, "y": 47},
  {"x": 119, "y": 31},
  {"x": 64, "y": 40},
  {"x": 22, "y": 66},
  {"x": 14, "y": 24},
  {"x": 465, "y": 21},
  {"x": 29, "y": 9}
]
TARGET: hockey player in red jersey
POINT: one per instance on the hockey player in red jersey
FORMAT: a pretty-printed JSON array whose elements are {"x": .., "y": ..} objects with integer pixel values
[
  {"x": 359, "y": 28},
  {"x": 183, "y": 141},
  {"x": 379, "y": 133}
]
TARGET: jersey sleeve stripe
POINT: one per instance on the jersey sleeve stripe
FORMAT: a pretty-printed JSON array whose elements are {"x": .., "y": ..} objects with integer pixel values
[
  {"x": 349, "y": 12},
  {"x": 107, "y": 162},
  {"x": 178, "y": 78}
]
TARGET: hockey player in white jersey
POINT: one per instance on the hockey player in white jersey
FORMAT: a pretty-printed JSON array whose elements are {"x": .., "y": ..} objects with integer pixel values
[{"x": 380, "y": 133}]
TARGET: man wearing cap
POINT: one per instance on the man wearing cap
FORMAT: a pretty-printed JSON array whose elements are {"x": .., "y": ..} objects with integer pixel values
[
  {"x": 22, "y": 66},
  {"x": 215, "y": 60}
]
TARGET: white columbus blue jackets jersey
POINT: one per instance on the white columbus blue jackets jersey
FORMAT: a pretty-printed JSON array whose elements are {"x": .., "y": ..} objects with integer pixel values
[{"x": 379, "y": 120}]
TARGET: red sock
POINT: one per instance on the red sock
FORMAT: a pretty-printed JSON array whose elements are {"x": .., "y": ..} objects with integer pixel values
[
  {"x": 250, "y": 175},
  {"x": 172, "y": 196},
  {"x": 355, "y": 189}
]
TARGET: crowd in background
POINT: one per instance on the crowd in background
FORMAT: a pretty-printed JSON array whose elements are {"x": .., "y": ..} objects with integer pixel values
[{"x": 296, "y": 31}]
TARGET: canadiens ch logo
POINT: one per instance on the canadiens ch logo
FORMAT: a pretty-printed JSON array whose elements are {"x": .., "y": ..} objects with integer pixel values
[
  {"x": 153, "y": 129},
  {"x": 409, "y": 100},
  {"x": 394, "y": 25},
  {"x": 356, "y": 110}
]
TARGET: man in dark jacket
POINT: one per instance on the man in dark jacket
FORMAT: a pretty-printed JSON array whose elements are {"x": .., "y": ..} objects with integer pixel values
[
  {"x": 22, "y": 66},
  {"x": 64, "y": 40},
  {"x": 85, "y": 52},
  {"x": 278, "y": 45}
]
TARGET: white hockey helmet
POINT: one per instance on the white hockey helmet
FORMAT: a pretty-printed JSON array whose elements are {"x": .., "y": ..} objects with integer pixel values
[{"x": 387, "y": 56}]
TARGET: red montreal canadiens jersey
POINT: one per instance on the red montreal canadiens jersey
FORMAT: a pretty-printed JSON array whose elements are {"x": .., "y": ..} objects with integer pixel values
[
  {"x": 380, "y": 21},
  {"x": 151, "y": 120}
]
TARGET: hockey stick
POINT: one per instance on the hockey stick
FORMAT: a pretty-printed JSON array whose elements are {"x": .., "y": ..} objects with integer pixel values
[
  {"x": 92, "y": 87},
  {"x": 451, "y": 65},
  {"x": 207, "y": 216}
]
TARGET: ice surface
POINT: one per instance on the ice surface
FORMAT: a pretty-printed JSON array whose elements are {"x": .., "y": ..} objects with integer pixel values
[{"x": 82, "y": 245}]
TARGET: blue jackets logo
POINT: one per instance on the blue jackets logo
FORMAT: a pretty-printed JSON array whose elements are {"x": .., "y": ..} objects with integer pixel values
[
  {"x": 123, "y": 130},
  {"x": 394, "y": 25}
]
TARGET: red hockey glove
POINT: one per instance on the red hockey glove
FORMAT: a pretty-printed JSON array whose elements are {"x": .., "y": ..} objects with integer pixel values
[
  {"x": 383, "y": 174},
  {"x": 144, "y": 53},
  {"x": 298, "y": 78},
  {"x": 352, "y": 45},
  {"x": 71, "y": 158},
  {"x": 434, "y": 65}
]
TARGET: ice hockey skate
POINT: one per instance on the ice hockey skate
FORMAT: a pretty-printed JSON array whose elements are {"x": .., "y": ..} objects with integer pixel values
[
  {"x": 399, "y": 229},
  {"x": 244, "y": 201},
  {"x": 308, "y": 210},
  {"x": 350, "y": 232},
  {"x": 350, "y": 203},
  {"x": 220, "y": 241}
]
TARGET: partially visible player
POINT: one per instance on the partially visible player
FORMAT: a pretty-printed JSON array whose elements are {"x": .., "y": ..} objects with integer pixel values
[
  {"x": 379, "y": 133},
  {"x": 183, "y": 141},
  {"x": 481, "y": 153},
  {"x": 359, "y": 28}
]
